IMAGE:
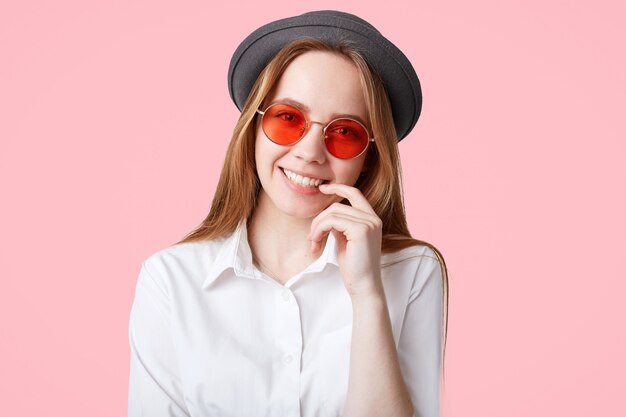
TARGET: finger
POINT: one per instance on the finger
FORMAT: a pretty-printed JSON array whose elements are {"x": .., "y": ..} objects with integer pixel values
[
  {"x": 346, "y": 210},
  {"x": 316, "y": 246},
  {"x": 354, "y": 196},
  {"x": 352, "y": 227}
]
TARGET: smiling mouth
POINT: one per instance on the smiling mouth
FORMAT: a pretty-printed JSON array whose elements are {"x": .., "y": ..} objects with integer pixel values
[{"x": 303, "y": 181}]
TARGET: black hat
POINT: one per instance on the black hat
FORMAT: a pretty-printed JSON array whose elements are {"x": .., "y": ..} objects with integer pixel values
[{"x": 330, "y": 26}]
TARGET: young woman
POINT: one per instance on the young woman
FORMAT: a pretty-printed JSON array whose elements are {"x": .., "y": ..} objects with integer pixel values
[{"x": 302, "y": 293}]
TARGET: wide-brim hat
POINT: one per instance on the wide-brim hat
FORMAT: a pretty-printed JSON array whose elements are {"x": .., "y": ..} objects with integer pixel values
[{"x": 331, "y": 26}]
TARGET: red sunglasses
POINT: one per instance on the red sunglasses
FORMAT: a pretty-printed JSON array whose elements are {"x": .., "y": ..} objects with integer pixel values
[{"x": 285, "y": 124}]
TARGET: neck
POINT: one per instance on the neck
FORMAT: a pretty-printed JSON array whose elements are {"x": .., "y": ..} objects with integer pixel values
[{"x": 278, "y": 241}]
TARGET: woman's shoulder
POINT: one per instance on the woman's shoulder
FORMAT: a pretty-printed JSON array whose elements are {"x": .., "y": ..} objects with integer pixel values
[
  {"x": 185, "y": 252},
  {"x": 406, "y": 272},
  {"x": 415, "y": 264},
  {"x": 189, "y": 259},
  {"x": 411, "y": 254}
]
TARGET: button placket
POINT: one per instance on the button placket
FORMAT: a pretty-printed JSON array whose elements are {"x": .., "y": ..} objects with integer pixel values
[
  {"x": 288, "y": 331},
  {"x": 289, "y": 313}
]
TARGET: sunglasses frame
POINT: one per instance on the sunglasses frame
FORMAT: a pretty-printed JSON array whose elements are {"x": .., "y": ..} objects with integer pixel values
[{"x": 308, "y": 124}]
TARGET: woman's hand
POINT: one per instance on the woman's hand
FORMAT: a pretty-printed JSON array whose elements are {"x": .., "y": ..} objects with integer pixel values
[{"x": 358, "y": 232}]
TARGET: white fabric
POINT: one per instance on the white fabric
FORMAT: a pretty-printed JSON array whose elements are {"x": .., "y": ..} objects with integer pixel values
[{"x": 210, "y": 335}]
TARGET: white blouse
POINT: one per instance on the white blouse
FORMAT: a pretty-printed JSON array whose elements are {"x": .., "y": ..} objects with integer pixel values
[{"x": 211, "y": 335}]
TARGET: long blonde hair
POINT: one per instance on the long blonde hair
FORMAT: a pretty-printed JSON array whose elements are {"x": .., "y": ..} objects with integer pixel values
[{"x": 238, "y": 187}]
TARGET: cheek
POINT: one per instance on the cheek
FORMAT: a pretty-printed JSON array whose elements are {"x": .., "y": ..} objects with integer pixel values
[
  {"x": 257, "y": 152},
  {"x": 266, "y": 155},
  {"x": 262, "y": 152},
  {"x": 350, "y": 171},
  {"x": 262, "y": 163}
]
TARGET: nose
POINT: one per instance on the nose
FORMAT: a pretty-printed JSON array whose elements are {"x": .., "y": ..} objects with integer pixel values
[{"x": 311, "y": 147}]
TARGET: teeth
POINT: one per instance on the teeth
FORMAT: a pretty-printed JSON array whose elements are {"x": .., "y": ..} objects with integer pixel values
[{"x": 303, "y": 181}]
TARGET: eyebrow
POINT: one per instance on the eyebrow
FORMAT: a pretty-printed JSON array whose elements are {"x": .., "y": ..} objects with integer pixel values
[{"x": 333, "y": 116}]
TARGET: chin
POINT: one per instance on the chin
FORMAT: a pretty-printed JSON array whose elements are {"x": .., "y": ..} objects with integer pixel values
[{"x": 302, "y": 212}]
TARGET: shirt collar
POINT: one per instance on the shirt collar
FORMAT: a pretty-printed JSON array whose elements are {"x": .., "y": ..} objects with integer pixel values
[{"x": 235, "y": 254}]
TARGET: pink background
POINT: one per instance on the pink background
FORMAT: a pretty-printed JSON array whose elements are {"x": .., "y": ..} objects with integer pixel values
[{"x": 114, "y": 120}]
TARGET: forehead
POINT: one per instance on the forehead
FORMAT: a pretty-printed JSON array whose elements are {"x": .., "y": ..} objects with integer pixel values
[{"x": 325, "y": 83}]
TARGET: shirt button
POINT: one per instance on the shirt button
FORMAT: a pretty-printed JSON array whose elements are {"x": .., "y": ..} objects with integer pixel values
[
  {"x": 288, "y": 359},
  {"x": 286, "y": 295}
]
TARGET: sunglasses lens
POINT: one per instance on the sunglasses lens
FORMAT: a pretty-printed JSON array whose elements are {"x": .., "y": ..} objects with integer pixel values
[
  {"x": 346, "y": 138},
  {"x": 283, "y": 124}
]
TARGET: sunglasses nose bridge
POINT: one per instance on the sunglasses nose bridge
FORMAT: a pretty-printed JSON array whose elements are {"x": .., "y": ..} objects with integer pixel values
[
  {"x": 310, "y": 122},
  {"x": 311, "y": 146}
]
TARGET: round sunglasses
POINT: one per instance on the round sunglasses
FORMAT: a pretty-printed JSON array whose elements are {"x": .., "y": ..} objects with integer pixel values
[{"x": 285, "y": 124}]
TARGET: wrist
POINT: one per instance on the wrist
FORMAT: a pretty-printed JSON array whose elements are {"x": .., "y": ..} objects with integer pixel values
[{"x": 370, "y": 294}]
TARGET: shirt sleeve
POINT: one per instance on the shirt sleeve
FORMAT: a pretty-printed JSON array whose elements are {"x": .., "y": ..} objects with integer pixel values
[
  {"x": 419, "y": 346},
  {"x": 154, "y": 385}
]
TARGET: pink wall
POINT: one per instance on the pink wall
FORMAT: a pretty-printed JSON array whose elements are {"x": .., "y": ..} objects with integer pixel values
[{"x": 114, "y": 119}]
